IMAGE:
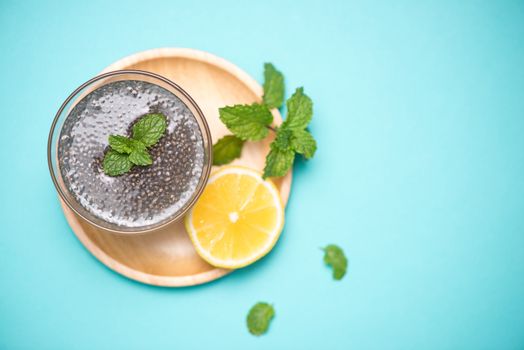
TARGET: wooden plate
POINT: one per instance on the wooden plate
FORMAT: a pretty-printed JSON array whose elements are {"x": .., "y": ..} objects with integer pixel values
[{"x": 166, "y": 257}]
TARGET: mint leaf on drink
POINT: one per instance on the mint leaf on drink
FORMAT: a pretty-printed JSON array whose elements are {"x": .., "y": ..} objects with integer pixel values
[
  {"x": 299, "y": 110},
  {"x": 140, "y": 157},
  {"x": 278, "y": 161},
  {"x": 334, "y": 256},
  {"x": 126, "y": 152},
  {"x": 150, "y": 128},
  {"x": 273, "y": 86},
  {"x": 303, "y": 143},
  {"x": 116, "y": 163},
  {"x": 227, "y": 149},
  {"x": 259, "y": 317},
  {"x": 247, "y": 122},
  {"x": 121, "y": 144}
]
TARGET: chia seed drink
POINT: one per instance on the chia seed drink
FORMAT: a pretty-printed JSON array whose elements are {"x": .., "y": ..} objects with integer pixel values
[{"x": 146, "y": 195}]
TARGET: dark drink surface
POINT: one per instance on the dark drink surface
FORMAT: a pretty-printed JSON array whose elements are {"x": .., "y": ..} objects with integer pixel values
[{"x": 146, "y": 195}]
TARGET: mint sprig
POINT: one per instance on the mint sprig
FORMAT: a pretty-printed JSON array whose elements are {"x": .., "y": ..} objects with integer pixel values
[
  {"x": 292, "y": 136},
  {"x": 126, "y": 152},
  {"x": 253, "y": 123}
]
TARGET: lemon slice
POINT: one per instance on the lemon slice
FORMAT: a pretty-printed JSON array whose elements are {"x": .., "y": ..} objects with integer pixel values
[{"x": 237, "y": 219}]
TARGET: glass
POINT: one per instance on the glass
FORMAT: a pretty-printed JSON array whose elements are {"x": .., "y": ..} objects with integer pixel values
[{"x": 70, "y": 200}]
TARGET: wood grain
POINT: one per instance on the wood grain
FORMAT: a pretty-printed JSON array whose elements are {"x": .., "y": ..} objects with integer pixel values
[{"x": 166, "y": 256}]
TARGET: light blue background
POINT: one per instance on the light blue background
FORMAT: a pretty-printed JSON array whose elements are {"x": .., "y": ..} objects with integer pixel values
[{"x": 419, "y": 176}]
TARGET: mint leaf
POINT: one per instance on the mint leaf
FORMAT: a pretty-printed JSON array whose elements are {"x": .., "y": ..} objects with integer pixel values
[
  {"x": 116, "y": 163},
  {"x": 251, "y": 122},
  {"x": 140, "y": 157},
  {"x": 303, "y": 142},
  {"x": 273, "y": 86},
  {"x": 248, "y": 122},
  {"x": 127, "y": 151},
  {"x": 259, "y": 317},
  {"x": 150, "y": 128},
  {"x": 291, "y": 137},
  {"x": 278, "y": 161},
  {"x": 121, "y": 144},
  {"x": 299, "y": 110},
  {"x": 227, "y": 149},
  {"x": 283, "y": 139},
  {"x": 334, "y": 256}
]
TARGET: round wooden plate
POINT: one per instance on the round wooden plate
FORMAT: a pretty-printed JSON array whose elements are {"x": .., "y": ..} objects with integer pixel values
[{"x": 166, "y": 257}]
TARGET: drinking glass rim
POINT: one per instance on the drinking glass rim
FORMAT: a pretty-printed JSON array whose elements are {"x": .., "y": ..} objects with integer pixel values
[{"x": 206, "y": 170}]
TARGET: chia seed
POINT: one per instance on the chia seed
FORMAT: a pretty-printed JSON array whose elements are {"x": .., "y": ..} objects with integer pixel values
[{"x": 146, "y": 195}]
